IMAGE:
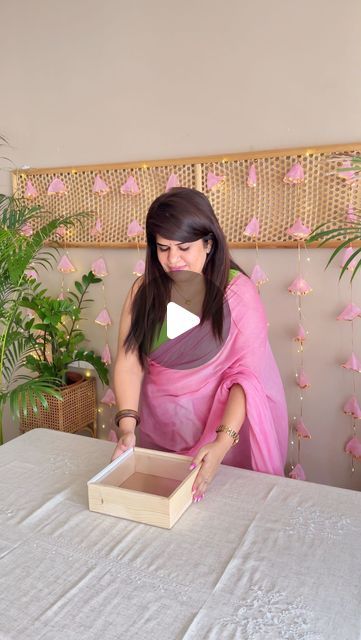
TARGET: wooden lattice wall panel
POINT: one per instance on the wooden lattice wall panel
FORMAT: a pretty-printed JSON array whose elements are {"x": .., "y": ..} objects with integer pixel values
[{"x": 323, "y": 196}]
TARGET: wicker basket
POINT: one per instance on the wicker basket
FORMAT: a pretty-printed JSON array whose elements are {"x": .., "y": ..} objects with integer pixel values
[{"x": 77, "y": 411}]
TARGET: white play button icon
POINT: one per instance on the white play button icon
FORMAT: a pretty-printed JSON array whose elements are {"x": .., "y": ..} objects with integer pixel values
[{"x": 179, "y": 320}]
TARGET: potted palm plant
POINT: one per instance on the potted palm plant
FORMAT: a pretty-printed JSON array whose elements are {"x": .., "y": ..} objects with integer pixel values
[
  {"x": 19, "y": 251},
  {"x": 58, "y": 342},
  {"x": 347, "y": 233}
]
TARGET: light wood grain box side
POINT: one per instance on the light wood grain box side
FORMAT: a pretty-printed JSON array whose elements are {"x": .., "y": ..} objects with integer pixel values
[{"x": 152, "y": 487}]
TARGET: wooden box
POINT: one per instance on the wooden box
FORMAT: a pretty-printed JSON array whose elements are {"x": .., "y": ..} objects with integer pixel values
[{"x": 147, "y": 486}]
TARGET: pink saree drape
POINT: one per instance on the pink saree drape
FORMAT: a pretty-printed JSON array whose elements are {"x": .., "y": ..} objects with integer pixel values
[{"x": 184, "y": 393}]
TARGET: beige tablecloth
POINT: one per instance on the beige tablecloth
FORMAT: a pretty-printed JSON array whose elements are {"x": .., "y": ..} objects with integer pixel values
[{"x": 260, "y": 558}]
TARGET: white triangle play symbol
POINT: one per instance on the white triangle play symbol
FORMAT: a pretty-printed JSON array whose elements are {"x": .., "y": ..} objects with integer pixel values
[{"x": 179, "y": 320}]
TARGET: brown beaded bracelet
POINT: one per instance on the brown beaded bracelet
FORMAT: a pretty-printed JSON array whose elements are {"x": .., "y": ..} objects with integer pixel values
[{"x": 127, "y": 413}]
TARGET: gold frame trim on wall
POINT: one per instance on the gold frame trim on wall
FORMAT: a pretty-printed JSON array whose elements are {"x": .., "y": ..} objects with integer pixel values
[{"x": 323, "y": 196}]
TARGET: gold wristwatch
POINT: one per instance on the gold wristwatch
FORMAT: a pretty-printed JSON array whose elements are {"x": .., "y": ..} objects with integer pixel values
[{"x": 231, "y": 432}]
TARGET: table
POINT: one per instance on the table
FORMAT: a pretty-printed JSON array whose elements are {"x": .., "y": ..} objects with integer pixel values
[{"x": 259, "y": 558}]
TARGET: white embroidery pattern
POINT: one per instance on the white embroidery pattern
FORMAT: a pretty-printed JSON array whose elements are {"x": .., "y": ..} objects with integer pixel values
[
  {"x": 270, "y": 616},
  {"x": 313, "y": 522}
]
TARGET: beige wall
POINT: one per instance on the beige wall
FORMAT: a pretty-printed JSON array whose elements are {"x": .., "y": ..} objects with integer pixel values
[{"x": 87, "y": 82}]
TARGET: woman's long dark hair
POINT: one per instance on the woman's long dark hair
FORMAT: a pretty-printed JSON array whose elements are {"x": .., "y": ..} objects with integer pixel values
[{"x": 185, "y": 215}]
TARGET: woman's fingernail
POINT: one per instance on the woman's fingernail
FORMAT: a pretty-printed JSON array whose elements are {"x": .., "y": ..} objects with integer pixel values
[{"x": 193, "y": 466}]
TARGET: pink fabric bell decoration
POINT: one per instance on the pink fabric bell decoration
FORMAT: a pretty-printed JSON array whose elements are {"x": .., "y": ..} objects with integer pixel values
[
  {"x": 297, "y": 473},
  {"x": 353, "y": 447},
  {"x": 31, "y": 273},
  {"x": 108, "y": 397},
  {"x": 258, "y": 276},
  {"x": 252, "y": 176},
  {"x": 65, "y": 266},
  {"x": 129, "y": 187},
  {"x": 299, "y": 230},
  {"x": 139, "y": 268},
  {"x": 26, "y": 229},
  {"x": 135, "y": 229},
  {"x": 302, "y": 430},
  {"x": 100, "y": 186},
  {"x": 350, "y": 312},
  {"x": 353, "y": 363},
  {"x": 103, "y": 318},
  {"x": 106, "y": 356},
  {"x": 295, "y": 175},
  {"x": 348, "y": 176},
  {"x": 299, "y": 287},
  {"x": 252, "y": 228},
  {"x": 60, "y": 231},
  {"x": 214, "y": 181},
  {"x": 352, "y": 408},
  {"x": 301, "y": 335},
  {"x": 112, "y": 436},
  {"x": 302, "y": 380},
  {"x": 351, "y": 215},
  {"x": 99, "y": 268},
  {"x": 61, "y": 295},
  {"x": 172, "y": 182},
  {"x": 56, "y": 186},
  {"x": 30, "y": 190},
  {"x": 97, "y": 228},
  {"x": 346, "y": 254}
]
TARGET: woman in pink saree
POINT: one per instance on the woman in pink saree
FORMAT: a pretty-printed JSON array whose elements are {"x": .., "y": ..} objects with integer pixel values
[{"x": 214, "y": 392}]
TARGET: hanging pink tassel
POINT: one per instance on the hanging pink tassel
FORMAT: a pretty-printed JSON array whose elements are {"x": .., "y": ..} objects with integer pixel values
[
  {"x": 97, "y": 229},
  {"x": 295, "y": 175},
  {"x": 108, "y": 398},
  {"x": 100, "y": 186},
  {"x": 214, "y": 181},
  {"x": 135, "y": 229},
  {"x": 350, "y": 312},
  {"x": 112, "y": 436},
  {"x": 302, "y": 380},
  {"x": 258, "y": 276},
  {"x": 353, "y": 447},
  {"x": 297, "y": 473},
  {"x": 103, "y": 318},
  {"x": 252, "y": 176},
  {"x": 26, "y": 229},
  {"x": 106, "y": 357},
  {"x": 61, "y": 295},
  {"x": 139, "y": 268},
  {"x": 352, "y": 363},
  {"x": 302, "y": 430},
  {"x": 299, "y": 287},
  {"x": 252, "y": 228},
  {"x": 298, "y": 230},
  {"x": 348, "y": 176},
  {"x": 30, "y": 190},
  {"x": 99, "y": 268},
  {"x": 351, "y": 215},
  {"x": 65, "y": 266},
  {"x": 31, "y": 273},
  {"x": 172, "y": 182},
  {"x": 346, "y": 254},
  {"x": 56, "y": 186},
  {"x": 60, "y": 231},
  {"x": 352, "y": 408},
  {"x": 301, "y": 335},
  {"x": 129, "y": 187}
]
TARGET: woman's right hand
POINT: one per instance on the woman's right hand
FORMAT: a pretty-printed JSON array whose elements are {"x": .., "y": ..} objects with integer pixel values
[{"x": 127, "y": 441}]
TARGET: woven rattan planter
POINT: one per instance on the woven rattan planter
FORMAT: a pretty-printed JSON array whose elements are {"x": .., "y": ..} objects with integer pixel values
[{"x": 77, "y": 411}]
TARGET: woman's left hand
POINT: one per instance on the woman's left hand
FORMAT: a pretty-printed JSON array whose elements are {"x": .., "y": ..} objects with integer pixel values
[{"x": 209, "y": 457}]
